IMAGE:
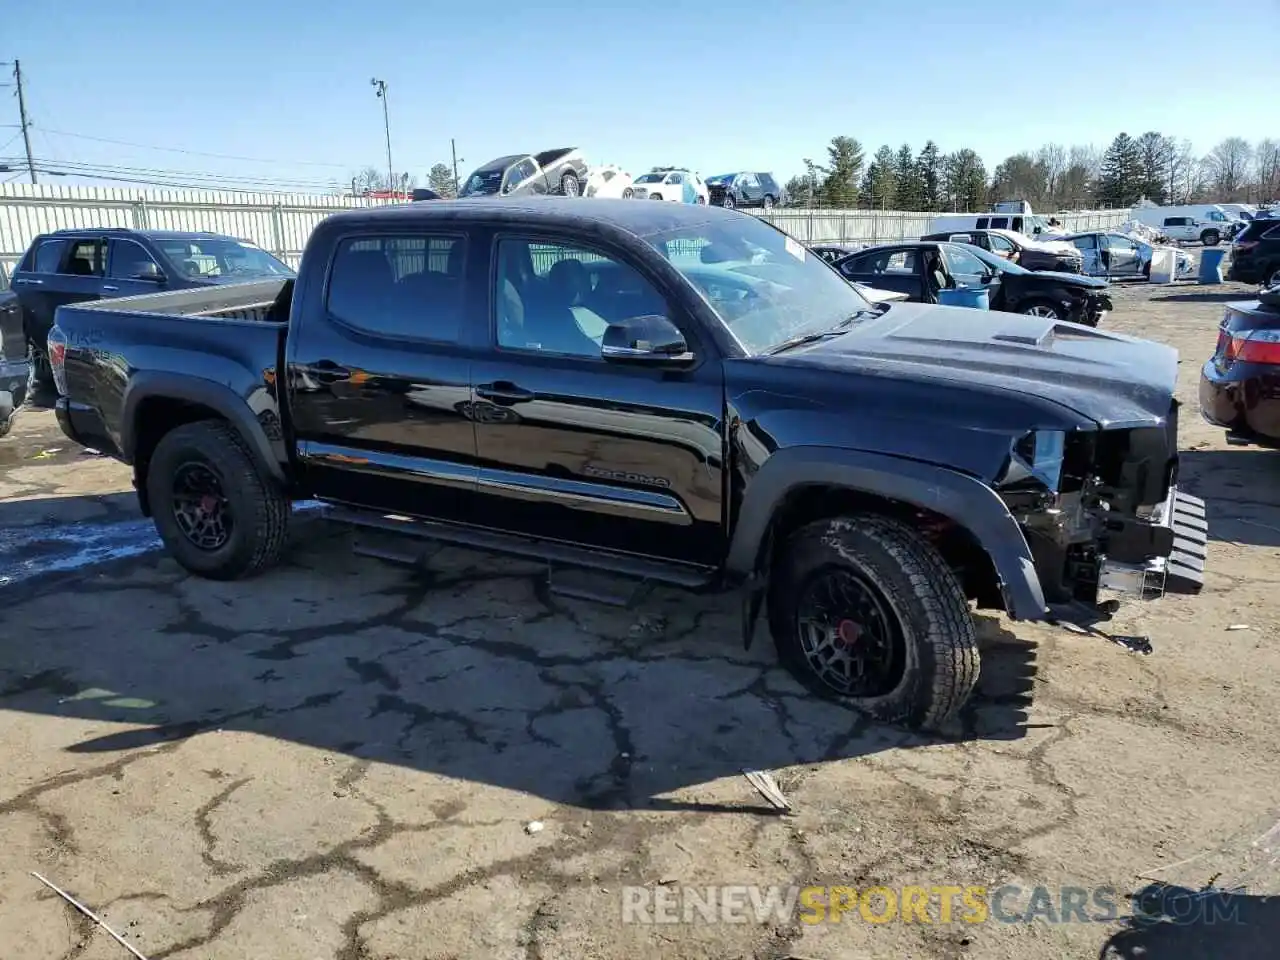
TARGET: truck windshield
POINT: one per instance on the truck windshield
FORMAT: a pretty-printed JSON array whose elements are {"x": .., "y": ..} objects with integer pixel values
[
  {"x": 763, "y": 285},
  {"x": 483, "y": 183},
  {"x": 208, "y": 258}
]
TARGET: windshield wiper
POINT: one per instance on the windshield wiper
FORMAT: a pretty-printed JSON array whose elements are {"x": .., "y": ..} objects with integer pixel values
[{"x": 835, "y": 331}]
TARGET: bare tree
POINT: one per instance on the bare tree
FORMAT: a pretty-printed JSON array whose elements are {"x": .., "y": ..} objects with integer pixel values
[
  {"x": 1181, "y": 171},
  {"x": 1266, "y": 164},
  {"x": 1052, "y": 158},
  {"x": 1228, "y": 167}
]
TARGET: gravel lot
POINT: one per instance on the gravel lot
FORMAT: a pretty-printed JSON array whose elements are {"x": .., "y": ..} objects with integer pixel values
[{"x": 342, "y": 758}]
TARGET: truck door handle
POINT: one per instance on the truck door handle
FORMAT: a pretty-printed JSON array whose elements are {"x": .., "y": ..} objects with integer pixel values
[
  {"x": 34, "y": 283},
  {"x": 326, "y": 371},
  {"x": 504, "y": 393},
  {"x": 108, "y": 286}
]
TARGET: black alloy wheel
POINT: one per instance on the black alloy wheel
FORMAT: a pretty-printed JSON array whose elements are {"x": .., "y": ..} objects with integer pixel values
[
  {"x": 849, "y": 635},
  {"x": 201, "y": 508}
]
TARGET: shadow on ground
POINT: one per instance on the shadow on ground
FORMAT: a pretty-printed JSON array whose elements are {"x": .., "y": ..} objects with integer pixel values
[
  {"x": 1176, "y": 923},
  {"x": 470, "y": 668},
  {"x": 1241, "y": 490},
  {"x": 1215, "y": 297}
]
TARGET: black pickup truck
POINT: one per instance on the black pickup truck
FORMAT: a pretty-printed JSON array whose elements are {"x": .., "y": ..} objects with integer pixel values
[{"x": 675, "y": 393}]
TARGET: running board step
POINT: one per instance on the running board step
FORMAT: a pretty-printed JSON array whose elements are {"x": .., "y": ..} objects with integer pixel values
[{"x": 551, "y": 551}]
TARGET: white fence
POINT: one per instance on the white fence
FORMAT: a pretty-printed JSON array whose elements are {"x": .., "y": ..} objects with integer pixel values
[{"x": 281, "y": 223}]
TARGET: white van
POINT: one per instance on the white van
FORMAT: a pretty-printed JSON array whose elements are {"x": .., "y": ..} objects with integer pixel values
[
  {"x": 1030, "y": 224},
  {"x": 1207, "y": 223}
]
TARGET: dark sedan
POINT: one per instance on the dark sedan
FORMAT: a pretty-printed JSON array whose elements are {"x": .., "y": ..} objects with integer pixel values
[
  {"x": 1240, "y": 383},
  {"x": 921, "y": 269}
]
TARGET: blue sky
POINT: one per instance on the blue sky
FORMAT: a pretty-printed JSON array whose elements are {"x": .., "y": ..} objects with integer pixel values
[{"x": 714, "y": 86}]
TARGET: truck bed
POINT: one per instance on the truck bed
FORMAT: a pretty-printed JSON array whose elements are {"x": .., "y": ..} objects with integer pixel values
[{"x": 216, "y": 347}]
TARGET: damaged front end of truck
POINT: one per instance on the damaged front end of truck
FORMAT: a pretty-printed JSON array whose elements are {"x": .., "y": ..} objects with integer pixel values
[{"x": 1103, "y": 515}]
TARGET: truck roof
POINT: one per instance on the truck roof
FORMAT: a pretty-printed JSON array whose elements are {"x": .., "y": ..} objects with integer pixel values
[
  {"x": 130, "y": 232},
  {"x": 634, "y": 216}
]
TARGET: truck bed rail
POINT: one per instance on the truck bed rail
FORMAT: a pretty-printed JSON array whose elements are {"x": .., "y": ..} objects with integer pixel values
[{"x": 265, "y": 301}]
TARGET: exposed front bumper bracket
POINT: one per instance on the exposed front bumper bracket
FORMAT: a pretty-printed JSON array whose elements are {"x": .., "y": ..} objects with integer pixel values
[{"x": 1180, "y": 572}]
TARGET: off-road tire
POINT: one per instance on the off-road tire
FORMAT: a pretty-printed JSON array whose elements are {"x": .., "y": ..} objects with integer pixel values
[
  {"x": 259, "y": 508},
  {"x": 1211, "y": 238},
  {"x": 941, "y": 664}
]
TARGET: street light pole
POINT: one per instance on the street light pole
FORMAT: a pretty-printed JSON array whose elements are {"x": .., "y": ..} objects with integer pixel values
[{"x": 381, "y": 86}]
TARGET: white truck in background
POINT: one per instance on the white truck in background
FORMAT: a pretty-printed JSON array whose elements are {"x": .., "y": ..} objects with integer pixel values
[{"x": 1206, "y": 223}]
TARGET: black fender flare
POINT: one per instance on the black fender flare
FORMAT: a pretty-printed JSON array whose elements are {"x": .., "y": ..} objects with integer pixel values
[
  {"x": 969, "y": 502},
  {"x": 208, "y": 393}
]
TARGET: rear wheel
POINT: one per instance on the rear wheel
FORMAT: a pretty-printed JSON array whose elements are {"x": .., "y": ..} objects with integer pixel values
[
  {"x": 655, "y": 196},
  {"x": 865, "y": 611},
  {"x": 628, "y": 193},
  {"x": 1210, "y": 238},
  {"x": 728, "y": 203},
  {"x": 216, "y": 513},
  {"x": 1274, "y": 279}
]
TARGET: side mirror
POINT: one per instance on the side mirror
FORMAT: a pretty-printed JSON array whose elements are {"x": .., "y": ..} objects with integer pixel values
[
  {"x": 150, "y": 272},
  {"x": 645, "y": 339}
]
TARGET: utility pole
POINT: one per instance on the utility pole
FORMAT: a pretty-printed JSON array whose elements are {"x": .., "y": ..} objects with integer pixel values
[
  {"x": 26, "y": 124},
  {"x": 381, "y": 86},
  {"x": 453, "y": 146}
]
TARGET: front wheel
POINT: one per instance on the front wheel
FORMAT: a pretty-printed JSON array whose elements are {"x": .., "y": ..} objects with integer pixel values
[
  {"x": 1210, "y": 238},
  {"x": 6, "y": 425},
  {"x": 1044, "y": 309},
  {"x": 767, "y": 202},
  {"x": 728, "y": 202},
  {"x": 569, "y": 185},
  {"x": 217, "y": 514},
  {"x": 628, "y": 193},
  {"x": 865, "y": 611},
  {"x": 1274, "y": 279}
]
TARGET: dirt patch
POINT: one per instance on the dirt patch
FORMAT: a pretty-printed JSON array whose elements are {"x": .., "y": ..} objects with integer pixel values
[{"x": 343, "y": 758}]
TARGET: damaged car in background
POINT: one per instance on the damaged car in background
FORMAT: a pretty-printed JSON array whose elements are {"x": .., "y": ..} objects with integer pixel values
[
  {"x": 662, "y": 393},
  {"x": 1045, "y": 253},
  {"x": 1116, "y": 255},
  {"x": 561, "y": 171},
  {"x": 923, "y": 269}
]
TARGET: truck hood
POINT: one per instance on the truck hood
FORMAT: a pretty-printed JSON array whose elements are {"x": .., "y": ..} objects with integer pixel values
[{"x": 1111, "y": 379}]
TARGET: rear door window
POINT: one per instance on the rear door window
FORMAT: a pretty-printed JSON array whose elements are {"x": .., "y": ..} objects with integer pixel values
[
  {"x": 48, "y": 256},
  {"x": 84, "y": 259},
  {"x": 999, "y": 223},
  {"x": 400, "y": 286}
]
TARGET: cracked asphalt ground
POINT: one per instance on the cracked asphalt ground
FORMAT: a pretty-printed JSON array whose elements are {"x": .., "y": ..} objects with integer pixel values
[{"x": 340, "y": 759}]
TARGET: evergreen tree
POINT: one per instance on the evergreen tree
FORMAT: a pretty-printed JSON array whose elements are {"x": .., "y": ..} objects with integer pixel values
[
  {"x": 930, "y": 166},
  {"x": 1122, "y": 180},
  {"x": 880, "y": 183},
  {"x": 840, "y": 185},
  {"x": 909, "y": 192}
]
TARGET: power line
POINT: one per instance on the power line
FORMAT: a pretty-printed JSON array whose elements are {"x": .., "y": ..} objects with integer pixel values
[
  {"x": 75, "y": 166},
  {"x": 194, "y": 153},
  {"x": 176, "y": 179}
]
